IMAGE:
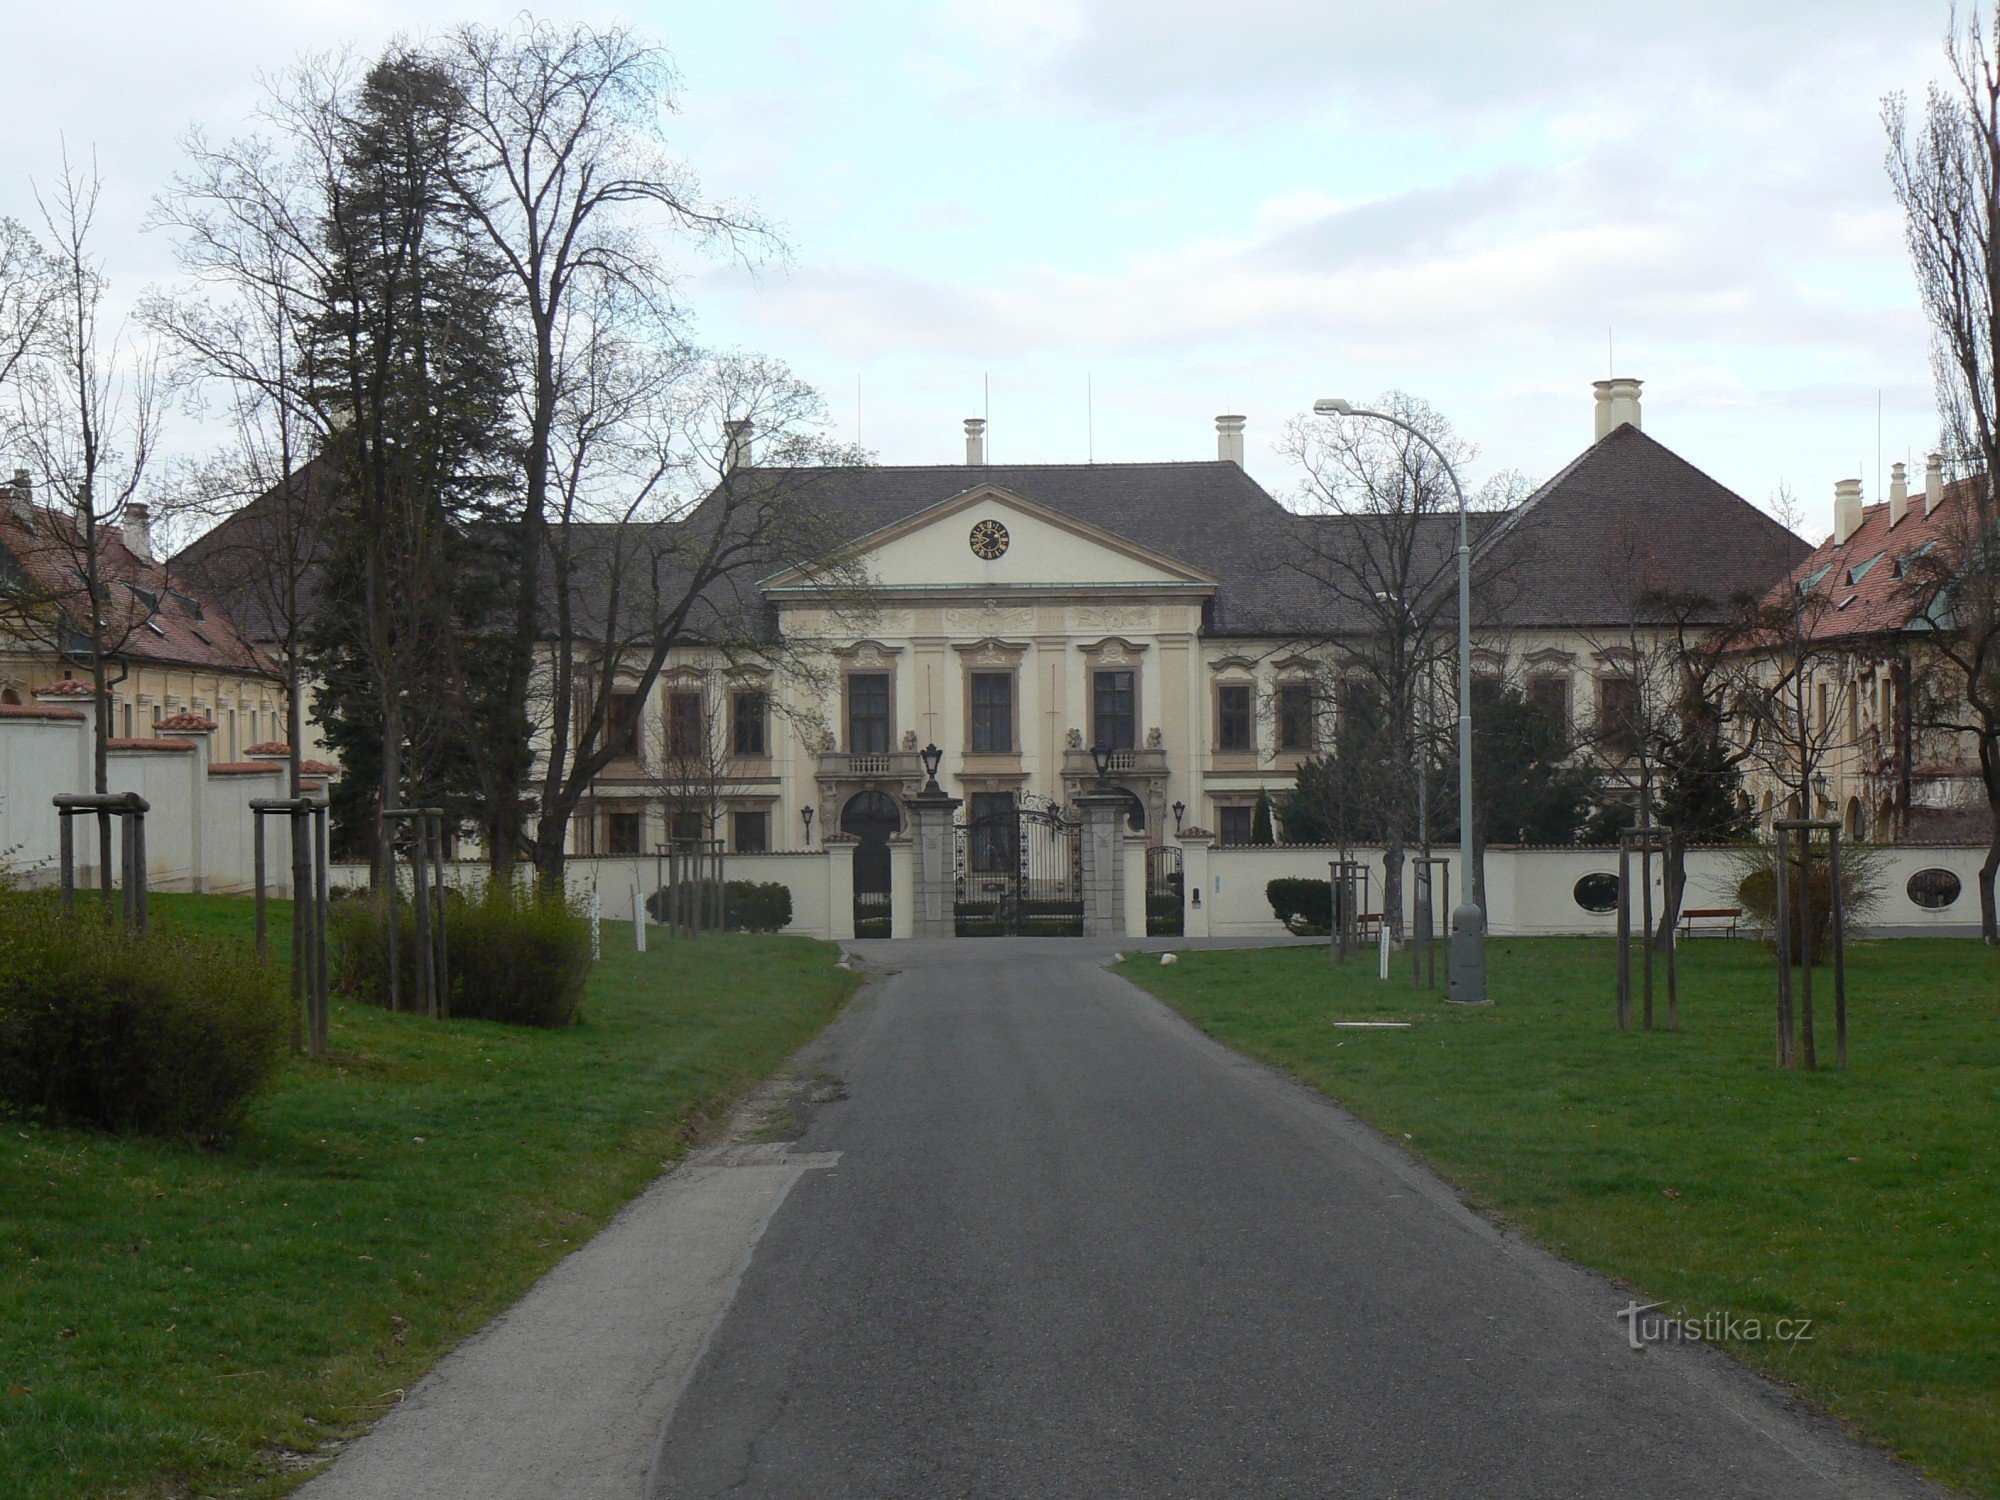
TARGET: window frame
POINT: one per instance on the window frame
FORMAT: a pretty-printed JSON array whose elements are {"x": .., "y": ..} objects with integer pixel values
[
  {"x": 888, "y": 681},
  {"x": 1240, "y": 717},
  {"x": 1295, "y": 698},
  {"x": 981, "y": 716},
  {"x": 760, "y": 819},
  {"x": 739, "y": 720},
  {"x": 1130, "y": 712},
  {"x": 1225, "y": 815}
]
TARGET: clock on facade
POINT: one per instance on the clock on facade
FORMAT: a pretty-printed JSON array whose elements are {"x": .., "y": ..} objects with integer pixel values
[{"x": 989, "y": 539}]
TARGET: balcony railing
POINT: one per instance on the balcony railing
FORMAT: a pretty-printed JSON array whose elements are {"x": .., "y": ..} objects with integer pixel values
[
  {"x": 887, "y": 766},
  {"x": 1149, "y": 762}
]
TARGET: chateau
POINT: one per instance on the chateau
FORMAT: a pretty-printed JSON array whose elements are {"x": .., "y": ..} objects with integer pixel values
[{"x": 1025, "y": 614}]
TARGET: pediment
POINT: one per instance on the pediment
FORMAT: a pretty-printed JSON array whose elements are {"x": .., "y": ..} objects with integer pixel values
[{"x": 993, "y": 539}]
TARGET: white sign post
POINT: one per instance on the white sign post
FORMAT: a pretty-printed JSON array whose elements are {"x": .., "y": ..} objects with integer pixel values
[
  {"x": 638, "y": 919},
  {"x": 596, "y": 926}
]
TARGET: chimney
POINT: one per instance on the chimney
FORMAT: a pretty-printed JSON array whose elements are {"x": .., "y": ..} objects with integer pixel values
[
  {"x": 139, "y": 530},
  {"x": 736, "y": 434},
  {"x": 1846, "y": 509},
  {"x": 1899, "y": 494},
  {"x": 975, "y": 441},
  {"x": 1229, "y": 439},
  {"x": 1617, "y": 404},
  {"x": 21, "y": 495},
  {"x": 1933, "y": 483}
]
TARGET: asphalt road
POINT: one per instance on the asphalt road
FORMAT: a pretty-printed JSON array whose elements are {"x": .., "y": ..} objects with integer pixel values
[{"x": 1072, "y": 1248}]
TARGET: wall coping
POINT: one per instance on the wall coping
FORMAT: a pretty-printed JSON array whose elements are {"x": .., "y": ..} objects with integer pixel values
[
  {"x": 174, "y": 746},
  {"x": 52, "y": 712}
]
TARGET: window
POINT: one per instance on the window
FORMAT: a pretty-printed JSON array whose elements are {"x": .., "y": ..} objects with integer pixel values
[
  {"x": 992, "y": 713},
  {"x": 994, "y": 833},
  {"x": 687, "y": 826},
  {"x": 685, "y": 732},
  {"x": 1295, "y": 716},
  {"x": 1232, "y": 716},
  {"x": 1550, "y": 694},
  {"x": 1618, "y": 715},
  {"x": 1359, "y": 714},
  {"x": 1825, "y": 712},
  {"x": 621, "y": 723},
  {"x": 1233, "y": 825},
  {"x": 750, "y": 831},
  {"x": 128, "y": 721},
  {"x": 621, "y": 833},
  {"x": 1933, "y": 889},
  {"x": 868, "y": 713},
  {"x": 747, "y": 712},
  {"x": 1114, "y": 708},
  {"x": 1597, "y": 893},
  {"x": 1854, "y": 718}
]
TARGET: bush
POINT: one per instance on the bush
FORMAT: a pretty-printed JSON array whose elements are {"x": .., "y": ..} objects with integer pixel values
[
  {"x": 1301, "y": 904},
  {"x": 511, "y": 955},
  {"x": 748, "y": 906},
  {"x": 172, "y": 1034},
  {"x": 1860, "y": 892}
]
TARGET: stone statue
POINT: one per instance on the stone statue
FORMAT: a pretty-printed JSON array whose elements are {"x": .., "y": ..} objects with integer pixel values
[
  {"x": 1153, "y": 740},
  {"x": 909, "y": 739},
  {"x": 1076, "y": 739}
]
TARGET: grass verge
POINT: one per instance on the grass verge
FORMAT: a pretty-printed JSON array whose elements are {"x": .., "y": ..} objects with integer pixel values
[
  {"x": 176, "y": 1321},
  {"x": 1688, "y": 1166}
]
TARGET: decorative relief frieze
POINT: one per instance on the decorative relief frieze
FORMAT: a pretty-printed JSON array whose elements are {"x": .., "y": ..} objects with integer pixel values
[
  {"x": 990, "y": 618},
  {"x": 1111, "y": 617}
]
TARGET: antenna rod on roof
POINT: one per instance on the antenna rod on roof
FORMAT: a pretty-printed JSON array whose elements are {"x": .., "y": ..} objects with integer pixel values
[
  {"x": 1089, "y": 419},
  {"x": 986, "y": 386}
]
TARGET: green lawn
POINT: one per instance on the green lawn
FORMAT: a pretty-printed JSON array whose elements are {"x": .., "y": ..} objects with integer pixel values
[
  {"x": 176, "y": 1321},
  {"x": 1687, "y": 1165}
]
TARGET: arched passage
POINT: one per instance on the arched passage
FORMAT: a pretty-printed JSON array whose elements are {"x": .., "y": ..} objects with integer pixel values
[{"x": 871, "y": 818}]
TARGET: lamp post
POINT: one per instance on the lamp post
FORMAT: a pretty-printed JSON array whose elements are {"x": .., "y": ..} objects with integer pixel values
[
  {"x": 1180, "y": 811},
  {"x": 932, "y": 756},
  {"x": 806, "y": 817},
  {"x": 1468, "y": 922}
]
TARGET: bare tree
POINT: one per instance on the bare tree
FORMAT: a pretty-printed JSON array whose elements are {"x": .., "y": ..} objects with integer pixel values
[
  {"x": 569, "y": 176},
  {"x": 85, "y": 414},
  {"x": 243, "y": 327},
  {"x": 1377, "y": 536},
  {"x": 663, "y": 533},
  {"x": 1945, "y": 171}
]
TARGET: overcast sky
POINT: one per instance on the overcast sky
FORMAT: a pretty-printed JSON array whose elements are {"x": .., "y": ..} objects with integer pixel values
[{"x": 1205, "y": 208}]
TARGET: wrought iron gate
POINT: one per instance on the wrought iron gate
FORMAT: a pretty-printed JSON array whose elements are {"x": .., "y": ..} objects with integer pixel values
[
  {"x": 1165, "y": 884},
  {"x": 1020, "y": 873}
]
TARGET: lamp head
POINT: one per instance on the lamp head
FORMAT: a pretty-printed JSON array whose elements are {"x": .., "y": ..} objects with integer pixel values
[
  {"x": 1180, "y": 811},
  {"x": 1333, "y": 406},
  {"x": 932, "y": 756},
  {"x": 1100, "y": 753}
]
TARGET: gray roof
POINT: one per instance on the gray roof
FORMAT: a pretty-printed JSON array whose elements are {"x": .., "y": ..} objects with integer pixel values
[{"x": 1627, "y": 521}]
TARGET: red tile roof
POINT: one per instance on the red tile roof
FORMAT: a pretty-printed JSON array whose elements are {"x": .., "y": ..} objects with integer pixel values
[
  {"x": 150, "y": 744},
  {"x": 68, "y": 687},
  {"x": 243, "y": 768},
  {"x": 269, "y": 747},
  {"x": 152, "y": 614},
  {"x": 38, "y": 711},
  {"x": 1859, "y": 584},
  {"x": 185, "y": 723}
]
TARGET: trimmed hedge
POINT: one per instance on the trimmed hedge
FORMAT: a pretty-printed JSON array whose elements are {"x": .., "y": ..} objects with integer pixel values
[
  {"x": 171, "y": 1035},
  {"x": 1301, "y": 904},
  {"x": 511, "y": 955},
  {"x": 748, "y": 905}
]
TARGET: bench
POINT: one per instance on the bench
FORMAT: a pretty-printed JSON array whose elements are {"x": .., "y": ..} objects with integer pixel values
[{"x": 1716, "y": 921}]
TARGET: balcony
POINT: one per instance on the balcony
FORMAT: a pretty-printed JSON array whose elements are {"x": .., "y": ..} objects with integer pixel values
[
  {"x": 892, "y": 765},
  {"x": 1141, "y": 764}
]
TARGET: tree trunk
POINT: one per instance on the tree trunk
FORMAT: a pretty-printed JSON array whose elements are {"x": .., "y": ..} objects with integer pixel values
[
  {"x": 1989, "y": 765},
  {"x": 1392, "y": 891},
  {"x": 1676, "y": 882}
]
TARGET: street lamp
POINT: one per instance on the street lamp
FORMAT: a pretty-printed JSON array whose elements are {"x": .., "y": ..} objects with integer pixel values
[
  {"x": 806, "y": 816},
  {"x": 1468, "y": 922},
  {"x": 931, "y": 757},
  {"x": 1180, "y": 811},
  {"x": 1101, "y": 754}
]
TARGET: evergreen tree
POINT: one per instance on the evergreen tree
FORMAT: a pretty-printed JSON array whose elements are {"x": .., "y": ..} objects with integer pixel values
[
  {"x": 1260, "y": 821},
  {"x": 411, "y": 349}
]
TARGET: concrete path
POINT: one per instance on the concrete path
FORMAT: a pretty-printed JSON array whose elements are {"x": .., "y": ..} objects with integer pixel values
[
  {"x": 565, "y": 1394},
  {"x": 1076, "y": 1249}
]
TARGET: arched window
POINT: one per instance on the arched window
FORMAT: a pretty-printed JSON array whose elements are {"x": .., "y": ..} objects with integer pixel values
[{"x": 10, "y": 696}]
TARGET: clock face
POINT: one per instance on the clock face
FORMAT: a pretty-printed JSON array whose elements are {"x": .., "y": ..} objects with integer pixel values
[{"x": 989, "y": 539}]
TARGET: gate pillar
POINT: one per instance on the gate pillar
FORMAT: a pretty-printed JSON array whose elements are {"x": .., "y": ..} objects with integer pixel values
[
  {"x": 1136, "y": 845},
  {"x": 1103, "y": 862},
  {"x": 902, "y": 888},
  {"x": 933, "y": 884},
  {"x": 839, "y": 849},
  {"x": 1195, "y": 844}
]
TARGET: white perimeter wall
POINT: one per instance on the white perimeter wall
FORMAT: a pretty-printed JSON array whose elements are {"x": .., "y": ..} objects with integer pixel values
[{"x": 1532, "y": 891}]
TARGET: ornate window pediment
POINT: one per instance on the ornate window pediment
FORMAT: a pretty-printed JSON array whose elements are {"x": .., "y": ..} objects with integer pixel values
[
  {"x": 1112, "y": 651},
  {"x": 869, "y": 655},
  {"x": 990, "y": 652}
]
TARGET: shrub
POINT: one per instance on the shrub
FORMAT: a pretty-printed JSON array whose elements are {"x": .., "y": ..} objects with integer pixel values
[
  {"x": 172, "y": 1034},
  {"x": 1860, "y": 892},
  {"x": 511, "y": 955},
  {"x": 748, "y": 906},
  {"x": 1301, "y": 904}
]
